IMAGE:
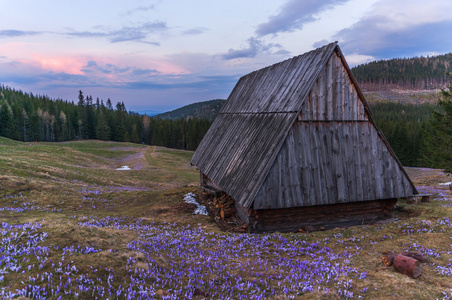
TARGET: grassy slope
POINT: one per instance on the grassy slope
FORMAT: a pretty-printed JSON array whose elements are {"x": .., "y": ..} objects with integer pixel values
[
  {"x": 53, "y": 170},
  {"x": 62, "y": 185}
]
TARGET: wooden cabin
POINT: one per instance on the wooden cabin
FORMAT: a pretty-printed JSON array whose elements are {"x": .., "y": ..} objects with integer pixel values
[{"x": 295, "y": 146}]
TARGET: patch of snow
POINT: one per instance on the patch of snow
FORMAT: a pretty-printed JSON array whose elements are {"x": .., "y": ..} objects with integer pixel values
[
  {"x": 190, "y": 198},
  {"x": 200, "y": 209},
  {"x": 123, "y": 168},
  {"x": 445, "y": 183}
]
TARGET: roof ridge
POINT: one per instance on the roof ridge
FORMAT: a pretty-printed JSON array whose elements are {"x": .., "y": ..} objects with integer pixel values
[{"x": 293, "y": 57}]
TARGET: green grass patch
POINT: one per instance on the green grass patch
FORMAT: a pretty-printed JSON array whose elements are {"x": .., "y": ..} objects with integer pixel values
[{"x": 104, "y": 149}]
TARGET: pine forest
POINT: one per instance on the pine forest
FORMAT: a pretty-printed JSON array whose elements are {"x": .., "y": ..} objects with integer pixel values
[{"x": 29, "y": 118}]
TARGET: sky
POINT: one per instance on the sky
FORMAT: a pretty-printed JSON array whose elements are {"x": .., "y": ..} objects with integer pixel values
[{"x": 158, "y": 55}]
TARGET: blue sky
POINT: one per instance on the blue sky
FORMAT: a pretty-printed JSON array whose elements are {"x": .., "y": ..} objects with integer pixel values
[{"x": 159, "y": 55}]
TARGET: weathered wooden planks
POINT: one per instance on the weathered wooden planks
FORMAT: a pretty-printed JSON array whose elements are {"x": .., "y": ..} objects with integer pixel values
[
  {"x": 333, "y": 96},
  {"x": 338, "y": 162}
]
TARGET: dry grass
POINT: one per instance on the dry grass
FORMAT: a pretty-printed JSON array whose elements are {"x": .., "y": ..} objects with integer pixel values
[{"x": 63, "y": 185}]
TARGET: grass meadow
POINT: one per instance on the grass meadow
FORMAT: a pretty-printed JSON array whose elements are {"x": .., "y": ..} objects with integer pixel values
[{"x": 74, "y": 227}]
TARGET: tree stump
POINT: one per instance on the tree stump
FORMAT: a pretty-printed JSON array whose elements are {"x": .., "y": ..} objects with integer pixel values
[{"x": 408, "y": 266}]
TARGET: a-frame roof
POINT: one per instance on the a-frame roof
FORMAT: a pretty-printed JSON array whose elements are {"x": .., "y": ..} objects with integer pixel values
[
  {"x": 238, "y": 149},
  {"x": 242, "y": 143}
]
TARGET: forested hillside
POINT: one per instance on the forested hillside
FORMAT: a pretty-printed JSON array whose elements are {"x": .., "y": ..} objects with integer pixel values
[
  {"x": 201, "y": 110},
  {"x": 402, "y": 124},
  {"x": 413, "y": 73},
  {"x": 26, "y": 117}
]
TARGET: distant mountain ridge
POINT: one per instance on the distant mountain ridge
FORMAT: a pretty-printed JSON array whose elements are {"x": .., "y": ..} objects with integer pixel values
[{"x": 201, "y": 110}]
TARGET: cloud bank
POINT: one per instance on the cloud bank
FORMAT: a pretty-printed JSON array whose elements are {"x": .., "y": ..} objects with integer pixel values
[
  {"x": 402, "y": 29},
  {"x": 254, "y": 47},
  {"x": 17, "y": 33},
  {"x": 139, "y": 9},
  {"x": 125, "y": 34},
  {"x": 294, "y": 14}
]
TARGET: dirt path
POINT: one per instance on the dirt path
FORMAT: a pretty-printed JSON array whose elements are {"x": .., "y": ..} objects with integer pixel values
[{"x": 136, "y": 161}]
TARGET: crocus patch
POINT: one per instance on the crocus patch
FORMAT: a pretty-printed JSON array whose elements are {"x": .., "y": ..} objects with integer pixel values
[{"x": 180, "y": 262}]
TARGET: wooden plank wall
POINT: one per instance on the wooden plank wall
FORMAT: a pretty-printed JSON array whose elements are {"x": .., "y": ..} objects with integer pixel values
[
  {"x": 333, "y": 96},
  {"x": 332, "y": 162},
  {"x": 319, "y": 217},
  {"x": 333, "y": 154}
]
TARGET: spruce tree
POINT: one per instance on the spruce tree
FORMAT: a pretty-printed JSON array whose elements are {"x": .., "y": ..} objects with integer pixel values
[
  {"x": 83, "y": 120},
  {"x": 102, "y": 128},
  {"x": 120, "y": 116},
  {"x": 135, "y": 136},
  {"x": 90, "y": 118},
  {"x": 5, "y": 120},
  {"x": 438, "y": 134}
]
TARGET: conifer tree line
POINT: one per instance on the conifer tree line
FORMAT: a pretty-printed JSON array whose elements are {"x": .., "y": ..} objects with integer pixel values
[
  {"x": 28, "y": 118},
  {"x": 402, "y": 124},
  {"x": 437, "y": 134},
  {"x": 413, "y": 73}
]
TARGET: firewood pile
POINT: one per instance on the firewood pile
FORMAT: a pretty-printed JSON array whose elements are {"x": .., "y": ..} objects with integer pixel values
[
  {"x": 408, "y": 263},
  {"x": 224, "y": 206},
  {"x": 223, "y": 211}
]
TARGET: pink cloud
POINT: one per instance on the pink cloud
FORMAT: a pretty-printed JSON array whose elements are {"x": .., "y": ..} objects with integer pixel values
[
  {"x": 63, "y": 64},
  {"x": 33, "y": 60},
  {"x": 32, "y": 57},
  {"x": 162, "y": 65}
]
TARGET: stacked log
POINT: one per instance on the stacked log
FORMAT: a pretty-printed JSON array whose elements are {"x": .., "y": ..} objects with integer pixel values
[
  {"x": 224, "y": 206},
  {"x": 416, "y": 255},
  {"x": 388, "y": 259},
  {"x": 408, "y": 266},
  {"x": 408, "y": 263}
]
